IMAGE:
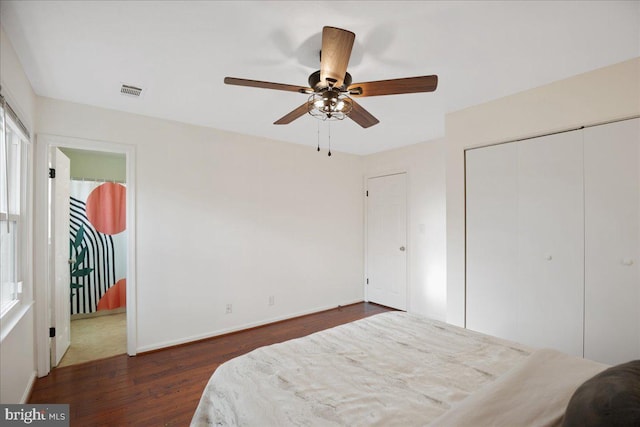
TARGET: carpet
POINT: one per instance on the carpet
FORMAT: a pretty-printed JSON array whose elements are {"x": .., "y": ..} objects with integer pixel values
[{"x": 96, "y": 338}]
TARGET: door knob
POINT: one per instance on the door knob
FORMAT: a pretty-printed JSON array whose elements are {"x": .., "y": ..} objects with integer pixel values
[{"x": 402, "y": 248}]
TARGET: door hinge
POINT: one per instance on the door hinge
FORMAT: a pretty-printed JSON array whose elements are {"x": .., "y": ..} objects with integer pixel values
[
  {"x": 52, "y": 332},
  {"x": 52, "y": 173},
  {"x": 367, "y": 193}
]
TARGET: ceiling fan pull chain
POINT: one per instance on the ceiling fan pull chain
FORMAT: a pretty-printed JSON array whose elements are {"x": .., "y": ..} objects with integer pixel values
[
  {"x": 318, "y": 136},
  {"x": 329, "y": 127}
]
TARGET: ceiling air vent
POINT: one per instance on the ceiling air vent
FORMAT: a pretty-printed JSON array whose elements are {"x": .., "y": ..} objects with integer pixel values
[{"x": 130, "y": 90}]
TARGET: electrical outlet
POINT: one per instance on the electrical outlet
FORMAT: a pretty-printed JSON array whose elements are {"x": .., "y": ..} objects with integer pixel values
[
  {"x": 229, "y": 308},
  {"x": 272, "y": 300}
]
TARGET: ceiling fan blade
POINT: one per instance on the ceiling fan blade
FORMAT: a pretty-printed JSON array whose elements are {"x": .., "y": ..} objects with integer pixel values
[
  {"x": 288, "y": 118},
  {"x": 336, "y": 51},
  {"x": 394, "y": 86},
  {"x": 266, "y": 85},
  {"x": 362, "y": 116}
]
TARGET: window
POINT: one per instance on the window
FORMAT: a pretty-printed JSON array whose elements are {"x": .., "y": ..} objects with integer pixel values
[{"x": 13, "y": 175}]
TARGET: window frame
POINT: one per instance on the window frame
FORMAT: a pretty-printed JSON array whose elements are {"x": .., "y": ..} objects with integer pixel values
[{"x": 19, "y": 213}]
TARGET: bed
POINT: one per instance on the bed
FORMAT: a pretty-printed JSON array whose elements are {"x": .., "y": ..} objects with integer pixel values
[{"x": 393, "y": 369}]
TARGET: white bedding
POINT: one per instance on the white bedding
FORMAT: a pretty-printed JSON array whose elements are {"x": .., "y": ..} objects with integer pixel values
[
  {"x": 535, "y": 393},
  {"x": 390, "y": 369}
]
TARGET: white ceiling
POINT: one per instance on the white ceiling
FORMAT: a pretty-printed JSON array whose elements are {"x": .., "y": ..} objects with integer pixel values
[{"x": 180, "y": 51}]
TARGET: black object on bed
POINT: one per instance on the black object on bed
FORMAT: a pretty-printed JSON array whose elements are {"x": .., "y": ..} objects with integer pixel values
[{"x": 610, "y": 398}]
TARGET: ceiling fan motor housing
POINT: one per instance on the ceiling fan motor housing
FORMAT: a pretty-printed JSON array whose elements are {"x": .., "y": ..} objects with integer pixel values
[{"x": 319, "y": 86}]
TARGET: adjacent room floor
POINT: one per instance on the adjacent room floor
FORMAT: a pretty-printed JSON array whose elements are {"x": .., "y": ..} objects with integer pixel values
[{"x": 96, "y": 338}]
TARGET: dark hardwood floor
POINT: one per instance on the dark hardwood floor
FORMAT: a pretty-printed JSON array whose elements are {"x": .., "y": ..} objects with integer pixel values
[{"x": 162, "y": 388}]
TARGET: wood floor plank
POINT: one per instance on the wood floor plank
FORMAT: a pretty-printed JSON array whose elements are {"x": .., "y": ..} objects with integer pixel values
[{"x": 163, "y": 388}]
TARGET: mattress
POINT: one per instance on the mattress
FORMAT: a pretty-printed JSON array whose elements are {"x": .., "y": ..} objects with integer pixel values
[{"x": 390, "y": 369}]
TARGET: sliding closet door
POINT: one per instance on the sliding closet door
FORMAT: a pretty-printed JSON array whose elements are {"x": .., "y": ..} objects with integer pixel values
[
  {"x": 525, "y": 241},
  {"x": 551, "y": 242},
  {"x": 492, "y": 243},
  {"x": 612, "y": 259}
]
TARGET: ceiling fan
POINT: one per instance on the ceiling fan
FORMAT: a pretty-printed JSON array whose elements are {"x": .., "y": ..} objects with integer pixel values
[{"x": 331, "y": 89}]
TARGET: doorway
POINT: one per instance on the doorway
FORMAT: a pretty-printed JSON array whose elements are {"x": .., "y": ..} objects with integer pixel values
[
  {"x": 386, "y": 281},
  {"x": 96, "y": 251},
  {"x": 101, "y": 289}
]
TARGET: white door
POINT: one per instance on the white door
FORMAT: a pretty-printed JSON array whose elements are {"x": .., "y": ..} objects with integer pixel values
[
  {"x": 59, "y": 252},
  {"x": 612, "y": 243},
  {"x": 525, "y": 268},
  {"x": 387, "y": 241},
  {"x": 551, "y": 242},
  {"x": 492, "y": 240}
]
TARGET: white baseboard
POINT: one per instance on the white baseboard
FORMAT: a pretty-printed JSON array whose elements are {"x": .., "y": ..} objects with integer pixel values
[
  {"x": 193, "y": 338},
  {"x": 27, "y": 391}
]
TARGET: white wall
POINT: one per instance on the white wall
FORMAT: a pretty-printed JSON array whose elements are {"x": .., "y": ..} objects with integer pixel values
[
  {"x": 426, "y": 243},
  {"x": 224, "y": 219},
  {"x": 17, "y": 350},
  {"x": 17, "y": 360},
  {"x": 15, "y": 85},
  {"x": 602, "y": 95}
]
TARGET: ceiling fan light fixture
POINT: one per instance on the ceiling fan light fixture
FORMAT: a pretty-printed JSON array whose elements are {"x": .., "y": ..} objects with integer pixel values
[{"x": 329, "y": 105}]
